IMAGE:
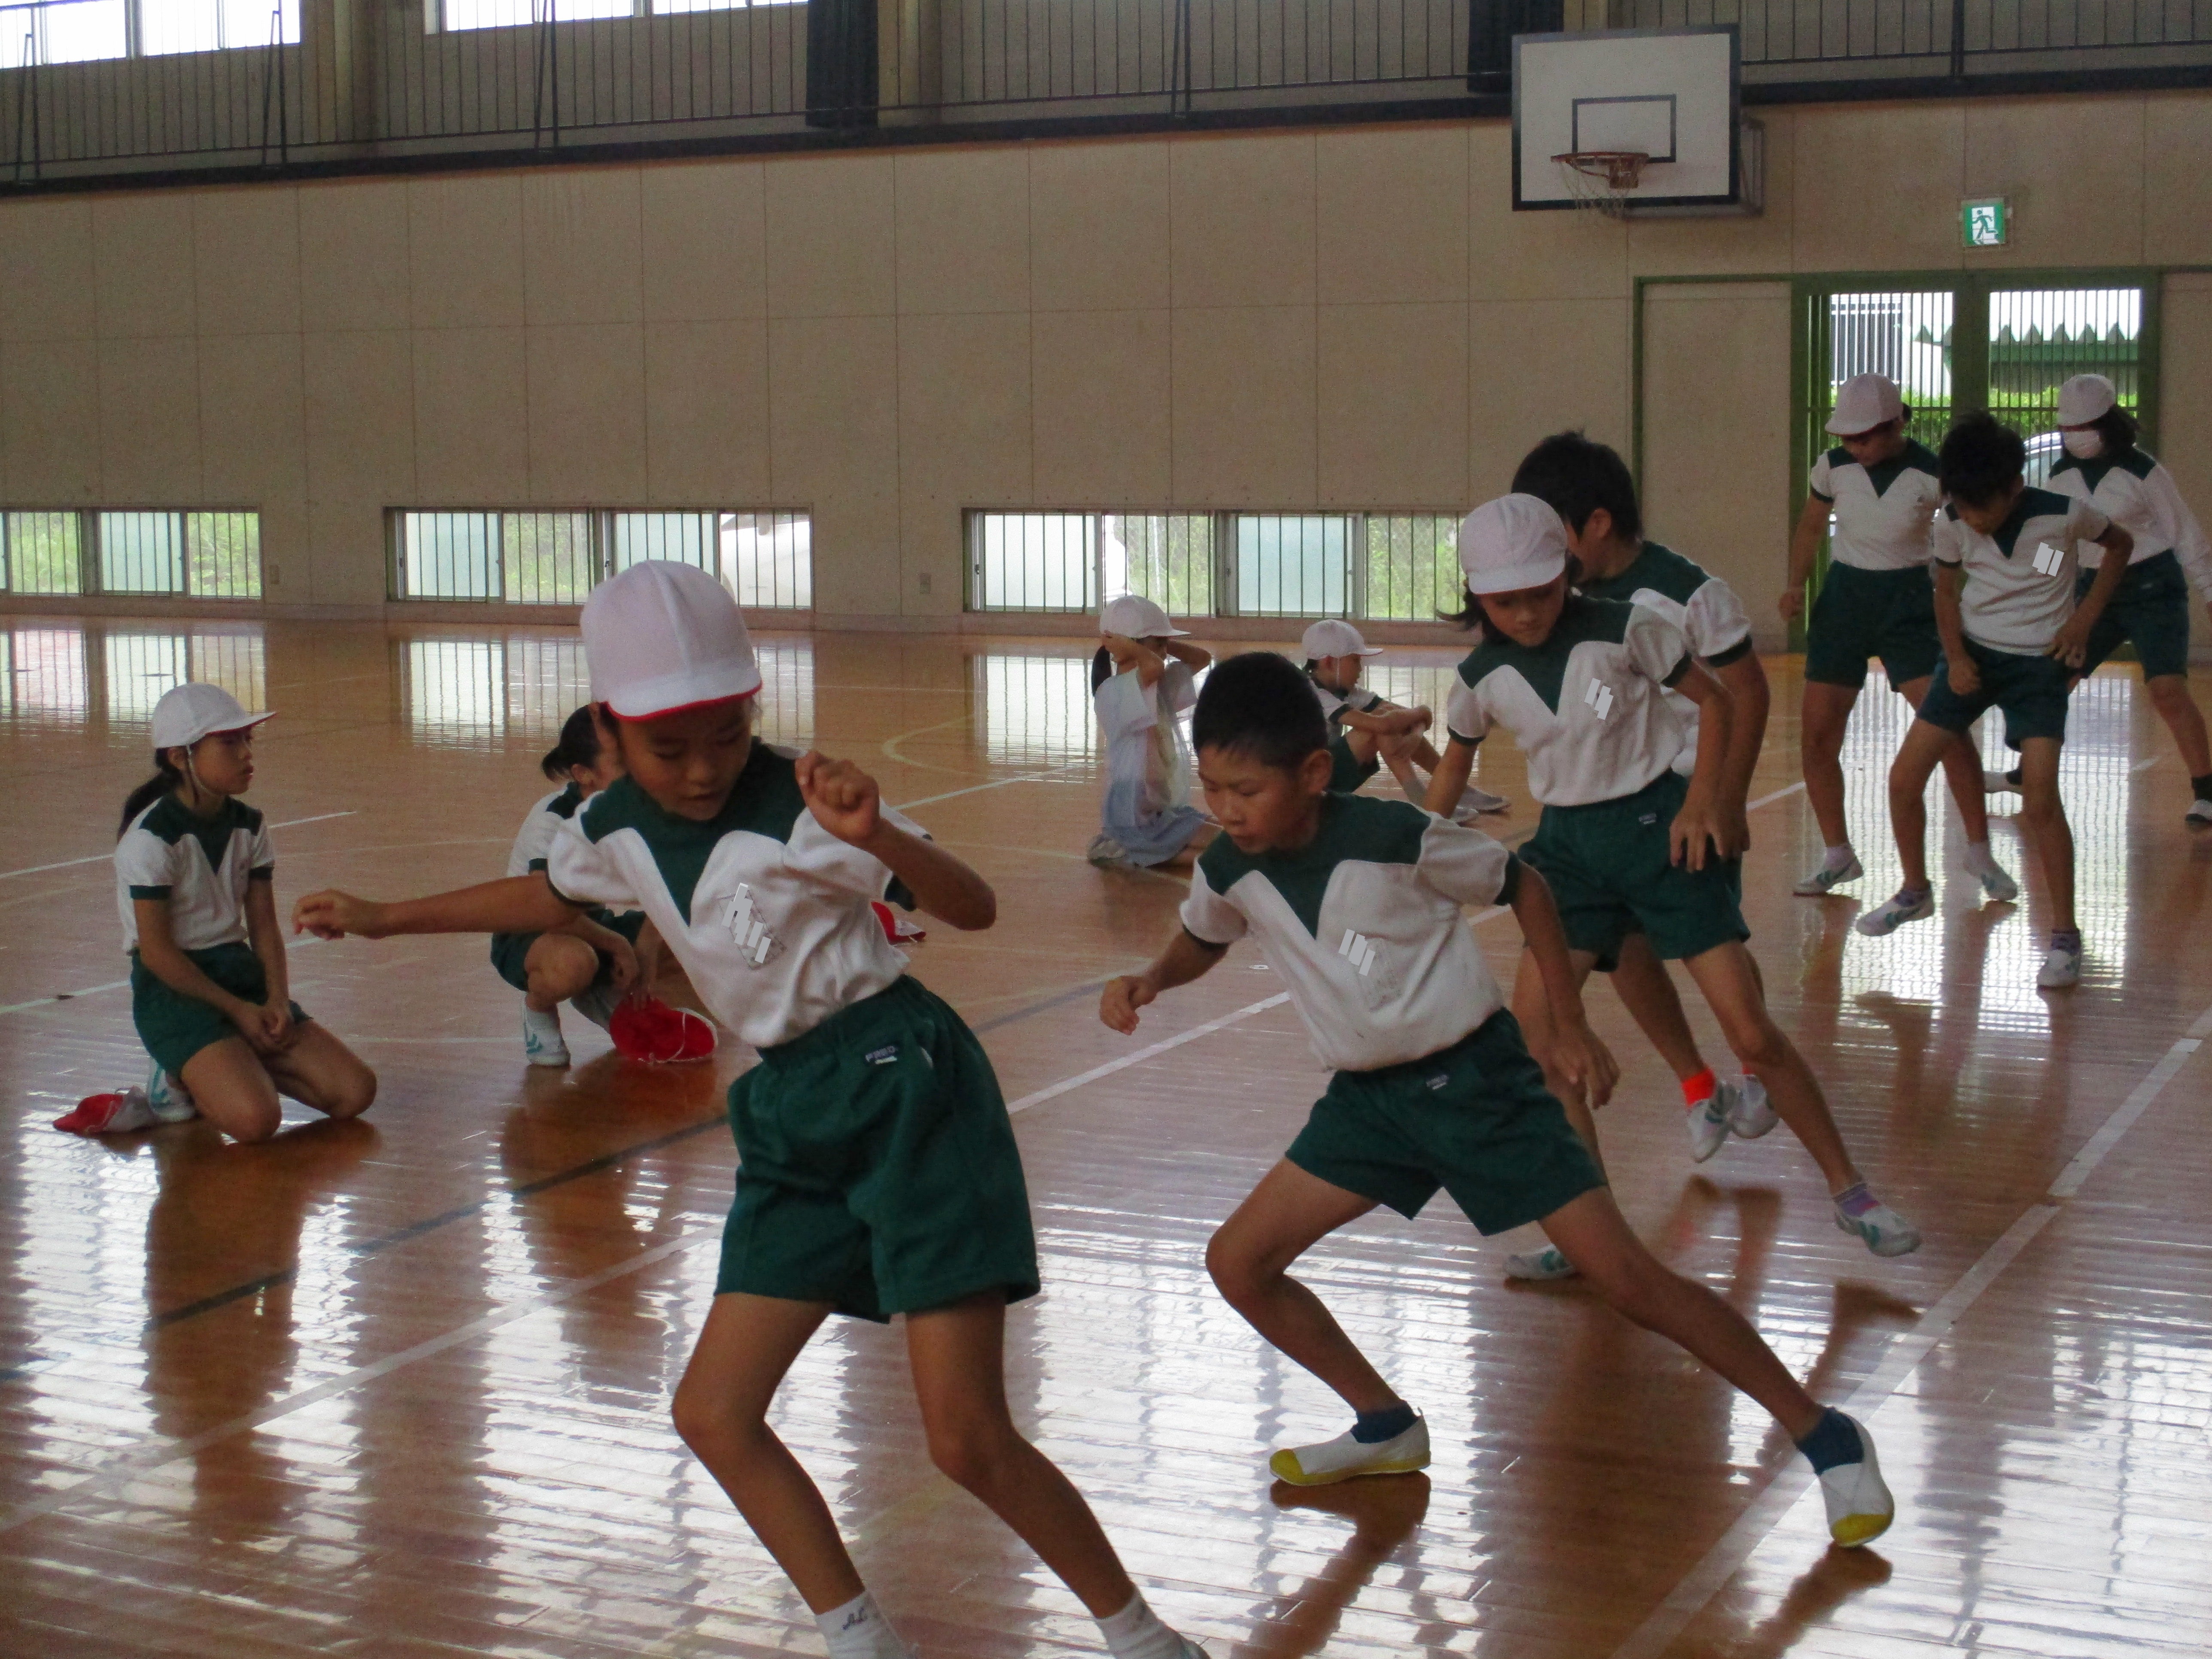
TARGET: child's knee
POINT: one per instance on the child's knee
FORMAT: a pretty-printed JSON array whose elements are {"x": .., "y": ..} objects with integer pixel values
[
  {"x": 973, "y": 1450},
  {"x": 1756, "y": 1041},
  {"x": 354, "y": 1093},
  {"x": 2169, "y": 693},
  {"x": 708, "y": 1423},
  {"x": 1240, "y": 1273}
]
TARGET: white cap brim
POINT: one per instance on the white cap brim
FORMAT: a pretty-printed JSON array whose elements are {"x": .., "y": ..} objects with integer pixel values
[
  {"x": 1851, "y": 429},
  {"x": 1513, "y": 580},
  {"x": 226, "y": 724},
  {"x": 672, "y": 693}
]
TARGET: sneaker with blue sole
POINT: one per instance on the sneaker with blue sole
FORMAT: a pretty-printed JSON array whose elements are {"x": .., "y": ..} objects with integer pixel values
[
  {"x": 1884, "y": 1231},
  {"x": 1891, "y": 915},
  {"x": 1997, "y": 887},
  {"x": 1859, "y": 1501},
  {"x": 1827, "y": 878},
  {"x": 1346, "y": 1459},
  {"x": 1536, "y": 1267},
  {"x": 167, "y": 1099}
]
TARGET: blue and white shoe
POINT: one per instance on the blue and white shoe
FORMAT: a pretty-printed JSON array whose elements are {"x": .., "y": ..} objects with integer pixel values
[
  {"x": 1828, "y": 878},
  {"x": 2061, "y": 970},
  {"x": 1891, "y": 915},
  {"x": 1860, "y": 1505},
  {"x": 542, "y": 1043},
  {"x": 1752, "y": 1114},
  {"x": 168, "y": 1100},
  {"x": 1885, "y": 1231},
  {"x": 1346, "y": 1458},
  {"x": 1535, "y": 1267},
  {"x": 1997, "y": 887},
  {"x": 1709, "y": 1123}
]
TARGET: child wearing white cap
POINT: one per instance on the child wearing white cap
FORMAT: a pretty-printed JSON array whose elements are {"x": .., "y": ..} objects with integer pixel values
[
  {"x": 1878, "y": 600},
  {"x": 2106, "y": 467},
  {"x": 1141, "y": 681},
  {"x": 209, "y": 981},
  {"x": 1366, "y": 730},
  {"x": 1628, "y": 844},
  {"x": 877, "y": 1169}
]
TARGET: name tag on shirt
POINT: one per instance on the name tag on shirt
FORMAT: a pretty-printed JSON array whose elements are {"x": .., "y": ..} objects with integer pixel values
[{"x": 2048, "y": 560}]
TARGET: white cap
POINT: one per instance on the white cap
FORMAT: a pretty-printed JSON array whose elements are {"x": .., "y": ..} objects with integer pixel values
[
  {"x": 2085, "y": 398},
  {"x": 189, "y": 712},
  {"x": 1336, "y": 638},
  {"x": 662, "y": 636},
  {"x": 1136, "y": 617},
  {"x": 1864, "y": 403},
  {"x": 1512, "y": 543}
]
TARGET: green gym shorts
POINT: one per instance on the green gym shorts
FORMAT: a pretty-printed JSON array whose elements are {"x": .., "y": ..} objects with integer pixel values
[
  {"x": 1345, "y": 773},
  {"x": 1474, "y": 1119},
  {"x": 509, "y": 951},
  {"x": 1890, "y": 614},
  {"x": 1608, "y": 867},
  {"x": 2031, "y": 690},
  {"x": 2149, "y": 610},
  {"x": 877, "y": 1166},
  {"x": 173, "y": 1026}
]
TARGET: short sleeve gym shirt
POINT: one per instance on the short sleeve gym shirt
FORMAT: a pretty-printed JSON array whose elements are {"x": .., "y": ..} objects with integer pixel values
[
  {"x": 533, "y": 844},
  {"x": 1884, "y": 512},
  {"x": 200, "y": 865},
  {"x": 2019, "y": 582},
  {"x": 2138, "y": 494}
]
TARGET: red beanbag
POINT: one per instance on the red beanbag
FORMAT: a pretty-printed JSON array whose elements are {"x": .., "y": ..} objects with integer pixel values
[{"x": 648, "y": 1031}]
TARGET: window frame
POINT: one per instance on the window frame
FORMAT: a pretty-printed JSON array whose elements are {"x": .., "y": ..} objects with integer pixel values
[
  {"x": 134, "y": 35},
  {"x": 91, "y": 574},
  {"x": 601, "y": 559}
]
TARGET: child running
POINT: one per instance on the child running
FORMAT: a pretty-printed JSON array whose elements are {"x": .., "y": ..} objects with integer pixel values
[
  {"x": 1356, "y": 903},
  {"x": 1366, "y": 731},
  {"x": 1628, "y": 845},
  {"x": 877, "y": 1169},
  {"x": 2015, "y": 637},
  {"x": 1140, "y": 681},
  {"x": 210, "y": 989},
  {"x": 595, "y": 960}
]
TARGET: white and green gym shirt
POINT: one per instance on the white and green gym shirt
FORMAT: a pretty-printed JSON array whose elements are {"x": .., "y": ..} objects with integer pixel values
[
  {"x": 1705, "y": 608},
  {"x": 1883, "y": 513},
  {"x": 767, "y": 910},
  {"x": 1364, "y": 925},
  {"x": 1588, "y": 707},
  {"x": 2019, "y": 582},
  {"x": 2139, "y": 495},
  {"x": 200, "y": 865}
]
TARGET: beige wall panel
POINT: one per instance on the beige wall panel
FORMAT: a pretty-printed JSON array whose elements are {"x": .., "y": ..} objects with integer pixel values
[
  {"x": 1243, "y": 219},
  {"x": 50, "y": 421},
  {"x": 706, "y": 413},
  {"x": 284, "y": 561},
  {"x": 1716, "y": 434},
  {"x": 2185, "y": 440},
  {"x": 1537, "y": 366},
  {"x": 150, "y": 422},
  {"x": 346, "y": 556},
  {"x": 963, "y": 230},
  {"x": 252, "y": 435},
  {"x": 2178, "y": 179},
  {"x": 1758, "y": 244},
  {"x": 833, "y": 440},
  {"x": 353, "y": 255},
  {"x": 1244, "y": 406},
  {"x": 1534, "y": 256},
  {"x": 471, "y": 422},
  {"x": 706, "y": 240},
  {"x": 141, "y": 250},
  {"x": 46, "y": 270},
  {"x": 464, "y": 251},
  {"x": 582, "y": 234},
  {"x": 832, "y": 239},
  {"x": 587, "y": 415},
  {"x": 359, "y": 402},
  {"x": 1393, "y": 392},
  {"x": 931, "y": 528},
  {"x": 1101, "y": 388},
  {"x": 1391, "y": 208},
  {"x": 1880, "y": 185},
  {"x": 246, "y": 259},
  {"x": 2073, "y": 169},
  {"x": 964, "y": 409},
  {"x": 1098, "y": 226}
]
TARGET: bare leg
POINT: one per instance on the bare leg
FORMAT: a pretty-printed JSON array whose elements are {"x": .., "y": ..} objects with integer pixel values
[
  {"x": 1822, "y": 719},
  {"x": 1285, "y": 1216},
  {"x": 317, "y": 1070},
  {"x": 1920, "y": 754},
  {"x": 1962, "y": 770},
  {"x": 1647, "y": 991},
  {"x": 2169, "y": 693},
  {"x": 2043, "y": 817},
  {"x": 560, "y": 966},
  {"x": 234, "y": 1091},
  {"x": 958, "y": 1354},
  {"x": 1533, "y": 1011}
]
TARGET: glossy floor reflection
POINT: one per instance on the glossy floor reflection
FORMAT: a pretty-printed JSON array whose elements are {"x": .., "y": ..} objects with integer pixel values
[{"x": 399, "y": 1387}]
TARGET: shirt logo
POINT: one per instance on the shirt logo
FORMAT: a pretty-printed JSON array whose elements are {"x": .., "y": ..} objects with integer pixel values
[
  {"x": 1599, "y": 696},
  {"x": 756, "y": 947},
  {"x": 1440, "y": 1079},
  {"x": 883, "y": 1056},
  {"x": 1359, "y": 950},
  {"x": 2049, "y": 559}
]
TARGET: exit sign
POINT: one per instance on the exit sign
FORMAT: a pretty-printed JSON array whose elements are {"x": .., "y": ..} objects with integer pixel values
[{"x": 1986, "y": 224}]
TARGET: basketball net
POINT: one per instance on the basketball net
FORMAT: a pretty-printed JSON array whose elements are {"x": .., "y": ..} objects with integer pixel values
[{"x": 1601, "y": 179}]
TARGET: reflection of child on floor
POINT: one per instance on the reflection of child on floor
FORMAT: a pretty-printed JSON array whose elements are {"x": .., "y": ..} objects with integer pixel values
[
  {"x": 1142, "y": 679},
  {"x": 1368, "y": 732}
]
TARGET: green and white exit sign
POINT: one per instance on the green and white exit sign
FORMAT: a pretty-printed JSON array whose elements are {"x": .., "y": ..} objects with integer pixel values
[{"x": 1985, "y": 224}]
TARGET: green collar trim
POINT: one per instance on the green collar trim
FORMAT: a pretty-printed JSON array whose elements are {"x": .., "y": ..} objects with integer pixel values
[
  {"x": 1545, "y": 667},
  {"x": 1354, "y": 829},
  {"x": 170, "y": 820},
  {"x": 764, "y": 801}
]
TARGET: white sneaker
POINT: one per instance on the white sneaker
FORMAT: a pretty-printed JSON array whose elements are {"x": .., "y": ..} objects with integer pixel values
[
  {"x": 1996, "y": 783},
  {"x": 1828, "y": 878},
  {"x": 1709, "y": 1124},
  {"x": 1892, "y": 913},
  {"x": 1477, "y": 802},
  {"x": 1997, "y": 887},
  {"x": 1752, "y": 1114},
  {"x": 168, "y": 1100},
  {"x": 1105, "y": 852},
  {"x": 1860, "y": 1506},
  {"x": 542, "y": 1043},
  {"x": 2061, "y": 968},
  {"x": 1537, "y": 1266},
  {"x": 2199, "y": 812},
  {"x": 1345, "y": 1458},
  {"x": 1885, "y": 1232}
]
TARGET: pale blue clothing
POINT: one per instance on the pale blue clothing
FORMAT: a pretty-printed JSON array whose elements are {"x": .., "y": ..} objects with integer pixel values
[{"x": 1147, "y": 815}]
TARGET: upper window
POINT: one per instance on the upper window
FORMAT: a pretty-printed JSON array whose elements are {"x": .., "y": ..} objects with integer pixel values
[
  {"x": 453, "y": 16},
  {"x": 557, "y": 558},
  {"x": 78, "y": 31},
  {"x": 201, "y": 556}
]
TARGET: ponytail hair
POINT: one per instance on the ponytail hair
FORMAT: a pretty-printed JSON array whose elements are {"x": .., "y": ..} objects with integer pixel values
[
  {"x": 579, "y": 746},
  {"x": 165, "y": 778},
  {"x": 1102, "y": 668}
]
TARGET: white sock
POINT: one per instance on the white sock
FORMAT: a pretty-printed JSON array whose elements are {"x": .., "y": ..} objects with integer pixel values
[
  {"x": 1839, "y": 855},
  {"x": 1136, "y": 1632},
  {"x": 1977, "y": 857},
  {"x": 859, "y": 1631}
]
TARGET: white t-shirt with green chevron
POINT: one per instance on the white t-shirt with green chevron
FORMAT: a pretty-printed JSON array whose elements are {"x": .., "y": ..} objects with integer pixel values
[{"x": 201, "y": 866}]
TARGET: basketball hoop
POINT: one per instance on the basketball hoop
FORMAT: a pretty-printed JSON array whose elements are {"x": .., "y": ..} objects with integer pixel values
[{"x": 1601, "y": 179}]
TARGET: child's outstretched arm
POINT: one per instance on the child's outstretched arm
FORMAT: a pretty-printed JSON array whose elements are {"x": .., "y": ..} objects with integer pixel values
[
  {"x": 1186, "y": 958},
  {"x": 1705, "y": 818},
  {"x": 1448, "y": 777},
  {"x": 1390, "y": 720},
  {"x": 846, "y": 801},
  {"x": 514, "y": 905},
  {"x": 1580, "y": 1058}
]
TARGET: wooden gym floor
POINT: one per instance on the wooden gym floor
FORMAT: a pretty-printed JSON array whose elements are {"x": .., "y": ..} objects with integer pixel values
[{"x": 399, "y": 1387}]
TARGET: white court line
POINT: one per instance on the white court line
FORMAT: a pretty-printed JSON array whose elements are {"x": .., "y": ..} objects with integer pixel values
[
  {"x": 1067, "y": 1084},
  {"x": 102, "y": 858},
  {"x": 977, "y": 788},
  {"x": 1736, "y": 1545},
  {"x": 1769, "y": 800}
]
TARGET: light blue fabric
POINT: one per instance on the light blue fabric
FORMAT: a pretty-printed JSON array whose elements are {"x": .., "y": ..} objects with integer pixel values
[{"x": 1147, "y": 815}]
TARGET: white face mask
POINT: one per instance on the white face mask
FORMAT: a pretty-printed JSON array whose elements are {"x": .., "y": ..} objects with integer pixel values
[{"x": 2083, "y": 445}]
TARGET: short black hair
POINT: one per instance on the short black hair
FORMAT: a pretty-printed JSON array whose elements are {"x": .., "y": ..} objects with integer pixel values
[
  {"x": 1576, "y": 475},
  {"x": 1982, "y": 458},
  {"x": 1260, "y": 706}
]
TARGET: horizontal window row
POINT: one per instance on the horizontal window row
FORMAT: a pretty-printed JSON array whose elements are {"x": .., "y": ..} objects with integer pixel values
[
  {"x": 455, "y": 15},
  {"x": 556, "y": 558},
  {"x": 1394, "y": 566},
  {"x": 79, "y": 31},
  {"x": 201, "y": 556}
]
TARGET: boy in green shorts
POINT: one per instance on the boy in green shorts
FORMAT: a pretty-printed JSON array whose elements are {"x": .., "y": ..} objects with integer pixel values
[{"x": 1356, "y": 903}]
